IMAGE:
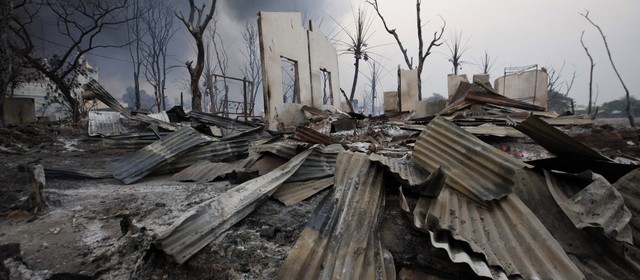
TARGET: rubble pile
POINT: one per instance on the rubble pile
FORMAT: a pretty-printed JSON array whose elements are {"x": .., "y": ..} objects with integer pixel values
[{"x": 491, "y": 187}]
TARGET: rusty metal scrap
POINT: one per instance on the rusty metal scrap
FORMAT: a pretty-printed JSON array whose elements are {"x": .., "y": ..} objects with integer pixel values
[
  {"x": 309, "y": 135},
  {"x": 203, "y": 223},
  {"x": 341, "y": 239},
  {"x": 473, "y": 167},
  {"x": 206, "y": 171},
  {"x": 292, "y": 193}
]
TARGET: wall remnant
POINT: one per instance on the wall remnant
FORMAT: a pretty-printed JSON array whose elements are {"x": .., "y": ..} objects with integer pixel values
[
  {"x": 528, "y": 86},
  {"x": 19, "y": 110},
  {"x": 453, "y": 81},
  {"x": 283, "y": 36},
  {"x": 391, "y": 102},
  {"x": 408, "y": 89}
]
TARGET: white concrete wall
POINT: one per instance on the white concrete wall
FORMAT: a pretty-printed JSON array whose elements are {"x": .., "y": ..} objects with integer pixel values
[
  {"x": 524, "y": 86},
  {"x": 322, "y": 55},
  {"x": 453, "y": 81},
  {"x": 408, "y": 86},
  {"x": 282, "y": 35},
  {"x": 391, "y": 101}
]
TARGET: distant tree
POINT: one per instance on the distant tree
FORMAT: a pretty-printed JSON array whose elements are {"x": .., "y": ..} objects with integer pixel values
[
  {"x": 196, "y": 24},
  {"x": 586, "y": 50},
  {"x": 79, "y": 27},
  {"x": 251, "y": 68},
  {"x": 422, "y": 52},
  {"x": 457, "y": 48},
  {"x": 147, "y": 102},
  {"x": 560, "y": 103},
  {"x": 606, "y": 45},
  {"x": 136, "y": 35},
  {"x": 617, "y": 108},
  {"x": 160, "y": 27}
]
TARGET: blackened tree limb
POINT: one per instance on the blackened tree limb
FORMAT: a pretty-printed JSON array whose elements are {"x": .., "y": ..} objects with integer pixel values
[
  {"x": 196, "y": 28},
  {"x": 606, "y": 45},
  {"x": 586, "y": 50}
]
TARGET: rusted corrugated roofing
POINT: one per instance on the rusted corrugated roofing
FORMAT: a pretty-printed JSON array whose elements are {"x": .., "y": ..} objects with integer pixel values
[
  {"x": 321, "y": 163},
  {"x": 205, "y": 171},
  {"x": 404, "y": 169},
  {"x": 473, "y": 167},
  {"x": 341, "y": 239},
  {"x": 286, "y": 150},
  {"x": 590, "y": 250},
  {"x": 555, "y": 141},
  {"x": 214, "y": 152},
  {"x": 309, "y": 135},
  {"x": 475, "y": 94},
  {"x": 149, "y": 158},
  {"x": 628, "y": 187},
  {"x": 292, "y": 193},
  {"x": 104, "y": 123},
  {"x": 203, "y": 223},
  {"x": 597, "y": 205},
  {"x": 508, "y": 234},
  {"x": 220, "y": 121}
]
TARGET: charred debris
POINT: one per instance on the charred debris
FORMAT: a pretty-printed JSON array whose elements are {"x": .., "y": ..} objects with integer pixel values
[{"x": 495, "y": 185}]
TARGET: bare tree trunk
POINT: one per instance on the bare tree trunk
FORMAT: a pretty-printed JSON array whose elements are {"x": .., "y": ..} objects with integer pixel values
[
  {"x": 6, "y": 56},
  {"x": 606, "y": 45},
  {"x": 197, "y": 28},
  {"x": 422, "y": 53},
  {"x": 590, "y": 73},
  {"x": 356, "y": 73}
]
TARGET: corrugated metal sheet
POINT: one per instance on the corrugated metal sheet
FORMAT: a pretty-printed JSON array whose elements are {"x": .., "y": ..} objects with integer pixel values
[
  {"x": 104, "y": 123},
  {"x": 134, "y": 167},
  {"x": 309, "y": 135},
  {"x": 286, "y": 150},
  {"x": 292, "y": 193},
  {"x": 494, "y": 130},
  {"x": 341, "y": 239},
  {"x": 160, "y": 116},
  {"x": 321, "y": 163},
  {"x": 220, "y": 121},
  {"x": 509, "y": 235},
  {"x": 214, "y": 152},
  {"x": 206, "y": 171},
  {"x": 555, "y": 141},
  {"x": 473, "y": 167},
  {"x": 590, "y": 250},
  {"x": 597, "y": 205},
  {"x": 203, "y": 223},
  {"x": 104, "y": 96},
  {"x": 628, "y": 187},
  {"x": 403, "y": 169},
  {"x": 67, "y": 172},
  {"x": 457, "y": 250}
]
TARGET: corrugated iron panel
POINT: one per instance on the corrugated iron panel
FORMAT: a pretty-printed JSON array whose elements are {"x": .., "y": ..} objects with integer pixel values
[
  {"x": 160, "y": 116},
  {"x": 292, "y": 193},
  {"x": 309, "y": 135},
  {"x": 220, "y": 121},
  {"x": 203, "y": 223},
  {"x": 205, "y": 171},
  {"x": 494, "y": 130},
  {"x": 473, "y": 167},
  {"x": 341, "y": 239},
  {"x": 104, "y": 123},
  {"x": 597, "y": 205},
  {"x": 404, "y": 169},
  {"x": 628, "y": 187},
  {"x": 214, "y": 152},
  {"x": 509, "y": 235},
  {"x": 104, "y": 96},
  {"x": 286, "y": 150},
  {"x": 149, "y": 158},
  {"x": 321, "y": 163},
  {"x": 555, "y": 141},
  {"x": 591, "y": 251}
]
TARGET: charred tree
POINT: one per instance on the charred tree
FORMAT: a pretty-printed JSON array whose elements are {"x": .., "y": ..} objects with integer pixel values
[
  {"x": 6, "y": 8},
  {"x": 79, "y": 24},
  {"x": 196, "y": 24},
  {"x": 457, "y": 48},
  {"x": 251, "y": 68},
  {"x": 586, "y": 50},
  {"x": 606, "y": 45},
  {"x": 423, "y": 51}
]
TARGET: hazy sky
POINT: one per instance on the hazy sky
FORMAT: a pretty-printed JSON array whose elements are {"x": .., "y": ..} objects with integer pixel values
[{"x": 516, "y": 33}]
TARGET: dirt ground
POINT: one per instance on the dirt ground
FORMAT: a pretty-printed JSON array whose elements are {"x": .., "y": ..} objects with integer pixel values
[{"x": 79, "y": 235}]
